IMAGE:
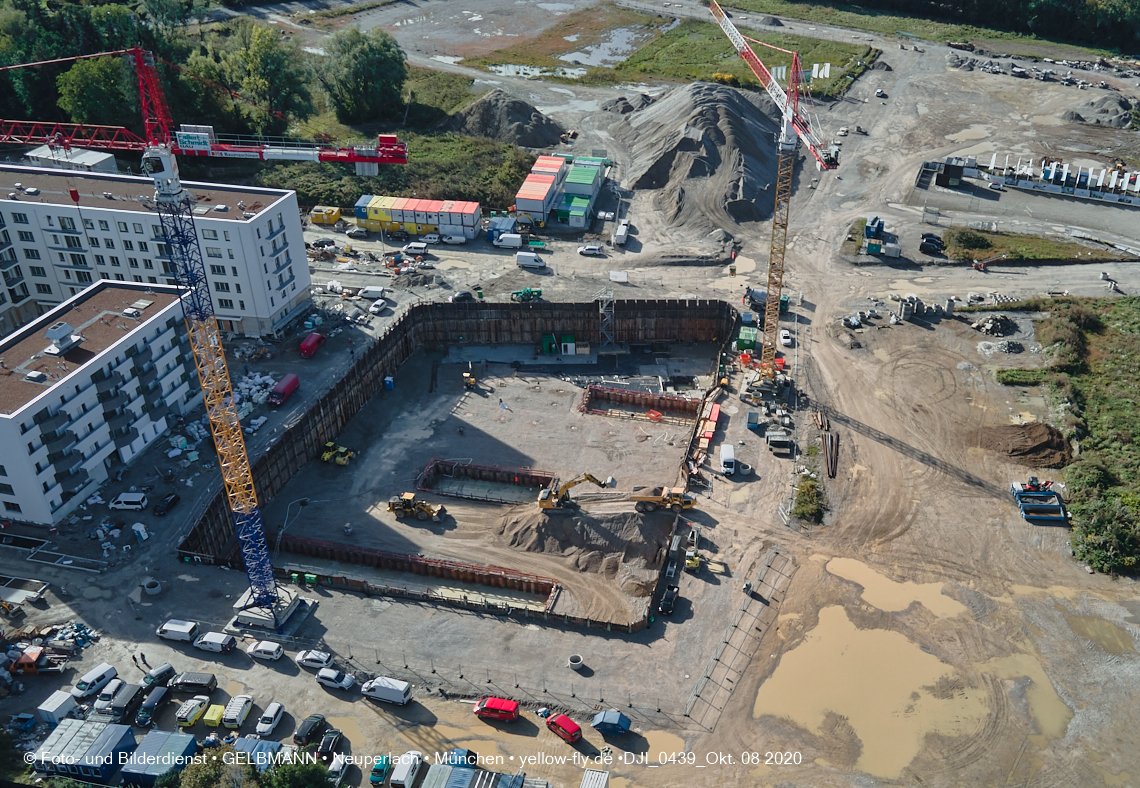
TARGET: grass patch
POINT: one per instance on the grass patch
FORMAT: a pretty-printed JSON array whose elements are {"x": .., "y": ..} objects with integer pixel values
[
  {"x": 695, "y": 51},
  {"x": 860, "y": 18},
  {"x": 434, "y": 95},
  {"x": 967, "y": 245},
  {"x": 812, "y": 451},
  {"x": 810, "y": 503},
  {"x": 854, "y": 238},
  {"x": 337, "y": 13},
  {"x": 1021, "y": 377}
]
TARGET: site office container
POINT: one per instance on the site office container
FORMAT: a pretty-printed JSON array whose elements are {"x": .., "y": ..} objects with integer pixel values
[{"x": 360, "y": 210}]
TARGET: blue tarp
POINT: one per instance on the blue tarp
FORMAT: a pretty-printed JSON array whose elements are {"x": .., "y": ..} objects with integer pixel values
[
  {"x": 612, "y": 722},
  {"x": 261, "y": 752}
]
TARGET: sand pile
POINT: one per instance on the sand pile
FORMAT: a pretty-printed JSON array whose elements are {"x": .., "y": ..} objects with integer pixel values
[
  {"x": 1036, "y": 445},
  {"x": 623, "y": 106},
  {"x": 598, "y": 544},
  {"x": 1111, "y": 110},
  {"x": 506, "y": 119},
  {"x": 708, "y": 151}
]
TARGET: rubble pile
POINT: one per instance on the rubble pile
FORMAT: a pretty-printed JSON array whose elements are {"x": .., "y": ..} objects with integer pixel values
[{"x": 995, "y": 326}]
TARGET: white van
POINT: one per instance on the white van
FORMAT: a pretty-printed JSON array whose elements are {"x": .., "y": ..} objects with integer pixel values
[
  {"x": 372, "y": 293},
  {"x": 727, "y": 459},
  {"x": 509, "y": 241},
  {"x": 129, "y": 501},
  {"x": 217, "y": 642},
  {"x": 415, "y": 248},
  {"x": 407, "y": 769},
  {"x": 622, "y": 233},
  {"x": 387, "y": 690},
  {"x": 529, "y": 260},
  {"x": 94, "y": 680},
  {"x": 175, "y": 629}
]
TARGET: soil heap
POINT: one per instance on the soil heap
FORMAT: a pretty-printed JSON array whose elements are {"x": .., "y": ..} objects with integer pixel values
[
  {"x": 622, "y": 105},
  {"x": 707, "y": 149},
  {"x": 1036, "y": 445},
  {"x": 599, "y": 544},
  {"x": 501, "y": 117},
  {"x": 1112, "y": 110}
]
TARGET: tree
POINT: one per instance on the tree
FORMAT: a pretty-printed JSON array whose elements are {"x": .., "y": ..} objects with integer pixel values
[
  {"x": 270, "y": 74},
  {"x": 363, "y": 75},
  {"x": 295, "y": 775},
  {"x": 95, "y": 91}
]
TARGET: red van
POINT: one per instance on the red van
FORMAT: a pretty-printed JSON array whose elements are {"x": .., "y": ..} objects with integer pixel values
[
  {"x": 312, "y": 344},
  {"x": 497, "y": 709},
  {"x": 286, "y": 386}
]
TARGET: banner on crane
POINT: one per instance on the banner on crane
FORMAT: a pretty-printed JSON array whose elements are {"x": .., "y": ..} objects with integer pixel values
[{"x": 193, "y": 141}]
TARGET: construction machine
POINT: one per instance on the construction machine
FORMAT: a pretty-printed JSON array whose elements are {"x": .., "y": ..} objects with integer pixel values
[
  {"x": 527, "y": 294},
  {"x": 338, "y": 454},
  {"x": 409, "y": 504},
  {"x": 984, "y": 265},
  {"x": 557, "y": 496},
  {"x": 673, "y": 498},
  {"x": 11, "y": 610},
  {"x": 469, "y": 381}
]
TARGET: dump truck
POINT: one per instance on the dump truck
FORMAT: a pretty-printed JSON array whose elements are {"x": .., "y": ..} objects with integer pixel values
[
  {"x": 557, "y": 496},
  {"x": 409, "y": 504},
  {"x": 674, "y": 498}
]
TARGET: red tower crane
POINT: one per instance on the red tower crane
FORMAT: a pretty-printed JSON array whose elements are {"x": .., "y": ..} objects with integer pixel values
[{"x": 189, "y": 141}]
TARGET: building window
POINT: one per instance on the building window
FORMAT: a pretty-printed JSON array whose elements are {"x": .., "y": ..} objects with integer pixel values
[
  {"x": 225, "y": 303},
  {"x": 213, "y": 251},
  {"x": 83, "y": 276},
  {"x": 20, "y": 218},
  {"x": 171, "y": 282},
  {"x": 241, "y": 305},
  {"x": 265, "y": 267},
  {"x": 289, "y": 271},
  {"x": 6, "y": 489},
  {"x": 280, "y": 221},
  {"x": 114, "y": 262},
  {"x": 3, "y": 471},
  {"x": 99, "y": 260},
  {"x": 66, "y": 223},
  {"x": 163, "y": 249},
  {"x": 104, "y": 275},
  {"x": 26, "y": 236},
  {"x": 88, "y": 224},
  {"x": 122, "y": 227},
  {"x": 66, "y": 274},
  {"x": 222, "y": 287},
  {"x": 55, "y": 240},
  {"x": 137, "y": 278},
  {"x": 79, "y": 259},
  {"x": 71, "y": 242},
  {"x": 12, "y": 507},
  {"x": 262, "y": 250},
  {"x": 137, "y": 227},
  {"x": 129, "y": 246},
  {"x": 148, "y": 264},
  {"x": 230, "y": 252},
  {"x": 219, "y": 270},
  {"x": 271, "y": 302},
  {"x": 234, "y": 269},
  {"x": 93, "y": 241},
  {"x": 259, "y": 233},
  {"x": 108, "y": 243},
  {"x": 226, "y": 234},
  {"x": 152, "y": 280},
  {"x": 38, "y": 270},
  {"x": 43, "y": 289},
  {"x": 104, "y": 226},
  {"x": 142, "y": 246},
  {"x": 154, "y": 228},
  {"x": 237, "y": 287},
  {"x": 133, "y": 262},
  {"x": 49, "y": 221},
  {"x": 32, "y": 254},
  {"x": 293, "y": 288},
  {"x": 119, "y": 278},
  {"x": 210, "y": 235}
]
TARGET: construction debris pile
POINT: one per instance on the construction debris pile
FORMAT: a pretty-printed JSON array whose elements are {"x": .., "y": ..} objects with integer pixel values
[
  {"x": 253, "y": 389},
  {"x": 1005, "y": 346},
  {"x": 996, "y": 326}
]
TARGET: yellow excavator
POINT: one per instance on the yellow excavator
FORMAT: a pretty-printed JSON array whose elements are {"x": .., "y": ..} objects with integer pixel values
[{"x": 557, "y": 496}]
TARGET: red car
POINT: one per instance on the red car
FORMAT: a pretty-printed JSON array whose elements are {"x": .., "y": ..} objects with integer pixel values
[
  {"x": 497, "y": 709},
  {"x": 564, "y": 728}
]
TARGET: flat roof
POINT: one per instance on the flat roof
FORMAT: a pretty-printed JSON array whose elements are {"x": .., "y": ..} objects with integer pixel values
[
  {"x": 55, "y": 186},
  {"x": 96, "y": 314}
]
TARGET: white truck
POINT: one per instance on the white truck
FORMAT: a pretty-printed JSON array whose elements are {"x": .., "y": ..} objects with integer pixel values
[
  {"x": 509, "y": 241},
  {"x": 621, "y": 235}
]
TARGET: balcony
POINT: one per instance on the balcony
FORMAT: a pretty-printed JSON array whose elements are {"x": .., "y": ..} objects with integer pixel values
[
  {"x": 74, "y": 482},
  {"x": 7, "y": 262},
  {"x": 140, "y": 355},
  {"x": 156, "y": 412},
  {"x": 276, "y": 233},
  {"x": 284, "y": 284},
  {"x": 124, "y": 419},
  {"x": 125, "y": 438},
  {"x": 62, "y": 442},
  {"x": 154, "y": 398},
  {"x": 118, "y": 400},
  {"x": 14, "y": 279},
  {"x": 53, "y": 423},
  {"x": 148, "y": 377},
  {"x": 285, "y": 263},
  {"x": 66, "y": 463},
  {"x": 106, "y": 384}
]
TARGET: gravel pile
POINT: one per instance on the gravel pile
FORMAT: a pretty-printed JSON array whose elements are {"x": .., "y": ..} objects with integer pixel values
[
  {"x": 995, "y": 326},
  {"x": 506, "y": 119},
  {"x": 1112, "y": 110}
]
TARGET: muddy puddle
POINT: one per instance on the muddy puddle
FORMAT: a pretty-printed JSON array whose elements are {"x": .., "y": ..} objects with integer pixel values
[
  {"x": 534, "y": 72},
  {"x": 886, "y": 594},
  {"x": 1113, "y": 638},
  {"x": 618, "y": 45},
  {"x": 662, "y": 743},
  {"x": 891, "y": 691}
]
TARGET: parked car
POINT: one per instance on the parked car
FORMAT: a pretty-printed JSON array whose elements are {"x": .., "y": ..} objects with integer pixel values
[
  {"x": 398, "y": 235},
  {"x": 266, "y": 649},
  {"x": 269, "y": 719},
  {"x": 329, "y": 743},
  {"x": 336, "y": 679},
  {"x": 218, "y": 642},
  {"x": 592, "y": 251},
  {"x": 933, "y": 238},
  {"x": 454, "y": 239},
  {"x": 160, "y": 676},
  {"x": 461, "y": 297},
  {"x": 320, "y": 243},
  {"x": 129, "y": 501},
  {"x": 309, "y": 730},
  {"x": 377, "y": 307},
  {"x": 337, "y": 769},
  {"x": 497, "y": 709},
  {"x": 150, "y": 706},
  {"x": 357, "y": 232},
  {"x": 314, "y": 659},
  {"x": 997, "y": 187},
  {"x": 669, "y": 601},
  {"x": 879, "y": 93},
  {"x": 931, "y": 249},
  {"x": 430, "y": 238},
  {"x": 785, "y": 337},
  {"x": 167, "y": 503},
  {"x": 564, "y": 728},
  {"x": 380, "y": 771}
]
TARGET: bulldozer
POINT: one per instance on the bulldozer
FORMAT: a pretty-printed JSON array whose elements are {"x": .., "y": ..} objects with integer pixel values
[
  {"x": 527, "y": 294},
  {"x": 11, "y": 610},
  {"x": 557, "y": 496},
  {"x": 673, "y": 498},
  {"x": 408, "y": 504},
  {"x": 338, "y": 454}
]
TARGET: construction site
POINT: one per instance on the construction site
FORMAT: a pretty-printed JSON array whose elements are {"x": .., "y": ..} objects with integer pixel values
[{"x": 735, "y": 475}]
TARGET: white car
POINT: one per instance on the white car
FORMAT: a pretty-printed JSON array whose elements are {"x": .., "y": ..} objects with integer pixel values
[
  {"x": 453, "y": 239},
  {"x": 430, "y": 238},
  {"x": 378, "y": 307},
  {"x": 266, "y": 649},
  {"x": 879, "y": 93},
  {"x": 337, "y": 769},
  {"x": 314, "y": 659},
  {"x": 357, "y": 232},
  {"x": 337, "y": 679},
  {"x": 785, "y": 337},
  {"x": 591, "y": 251},
  {"x": 269, "y": 719}
]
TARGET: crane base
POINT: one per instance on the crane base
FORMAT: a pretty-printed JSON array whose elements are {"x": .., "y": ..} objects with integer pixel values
[{"x": 288, "y": 600}]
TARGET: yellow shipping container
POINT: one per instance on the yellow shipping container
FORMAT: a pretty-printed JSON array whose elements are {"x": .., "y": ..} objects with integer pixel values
[
  {"x": 322, "y": 214},
  {"x": 380, "y": 208}
]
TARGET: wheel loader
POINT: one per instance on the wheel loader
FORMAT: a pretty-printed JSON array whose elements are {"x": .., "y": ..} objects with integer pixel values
[{"x": 408, "y": 505}]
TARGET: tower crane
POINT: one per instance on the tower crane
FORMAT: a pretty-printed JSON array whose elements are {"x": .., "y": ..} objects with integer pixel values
[
  {"x": 175, "y": 206},
  {"x": 794, "y": 126}
]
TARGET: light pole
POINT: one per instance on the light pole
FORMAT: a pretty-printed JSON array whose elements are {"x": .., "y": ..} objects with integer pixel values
[{"x": 303, "y": 503}]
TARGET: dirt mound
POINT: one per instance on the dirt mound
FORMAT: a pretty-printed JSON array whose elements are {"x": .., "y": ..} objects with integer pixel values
[
  {"x": 1112, "y": 110},
  {"x": 623, "y": 106},
  {"x": 418, "y": 280},
  {"x": 708, "y": 151},
  {"x": 1073, "y": 117},
  {"x": 771, "y": 21},
  {"x": 1036, "y": 445},
  {"x": 599, "y": 545},
  {"x": 506, "y": 119},
  {"x": 880, "y": 65}
]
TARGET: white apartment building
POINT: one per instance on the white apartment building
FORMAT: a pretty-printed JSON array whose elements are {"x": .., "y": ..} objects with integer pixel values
[
  {"x": 62, "y": 230},
  {"x": 86, "y": 387}
]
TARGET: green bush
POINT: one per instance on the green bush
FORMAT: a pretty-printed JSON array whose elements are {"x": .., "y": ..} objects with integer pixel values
[
  {"x": 810, "y": 504},
  {"x": 1020, "y": 377},
  {"x": 965, "y": 238}
]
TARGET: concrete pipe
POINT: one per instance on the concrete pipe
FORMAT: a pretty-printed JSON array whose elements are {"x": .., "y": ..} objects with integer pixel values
[
  {"x": 575, "y": 662},
  {"x": 152, "y": 587}
]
